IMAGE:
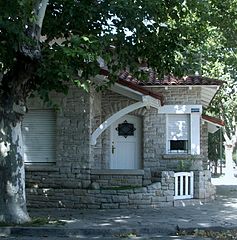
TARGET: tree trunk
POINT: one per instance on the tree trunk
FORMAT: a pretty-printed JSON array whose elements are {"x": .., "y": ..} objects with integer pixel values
[
  {"x": 15, "y": 87},
  {"x": 229, "y": 168},
  {"x": 12, "y": 172}
]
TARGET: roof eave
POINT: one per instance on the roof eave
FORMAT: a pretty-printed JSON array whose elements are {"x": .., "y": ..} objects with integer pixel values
[{"x": 141, "y": 89}]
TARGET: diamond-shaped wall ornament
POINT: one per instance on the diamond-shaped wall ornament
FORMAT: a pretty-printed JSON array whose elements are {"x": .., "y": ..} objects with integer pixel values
[{"x": 126, "y": 129}]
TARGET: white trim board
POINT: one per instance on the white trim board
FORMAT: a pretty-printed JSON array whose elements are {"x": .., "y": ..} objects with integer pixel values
[
  {"x": 179, "y": 109},
  {"x": 147, "y": 101}
]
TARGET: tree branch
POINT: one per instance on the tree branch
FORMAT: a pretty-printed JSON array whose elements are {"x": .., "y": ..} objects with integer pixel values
[
  {"x": 34, "y": 31},
  {"x": 40, "y": 10},
  {"x": 226, "y": 120}
]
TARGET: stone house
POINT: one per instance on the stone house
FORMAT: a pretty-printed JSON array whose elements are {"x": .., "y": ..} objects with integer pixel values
[{"x": 121, "y": 148}]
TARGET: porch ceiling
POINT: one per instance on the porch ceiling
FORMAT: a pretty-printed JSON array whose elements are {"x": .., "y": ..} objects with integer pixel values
[
  {"x": 207, "y": 94},
  {"x": 126, "y": 91},
  {"x": 135, "y": 91}
]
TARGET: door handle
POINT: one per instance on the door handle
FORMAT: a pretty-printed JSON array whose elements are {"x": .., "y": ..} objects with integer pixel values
[{"x": 113, "y": 148}]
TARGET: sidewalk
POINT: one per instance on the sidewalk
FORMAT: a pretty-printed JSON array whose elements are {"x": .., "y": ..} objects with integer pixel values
[{"x": 216, "y": 215}]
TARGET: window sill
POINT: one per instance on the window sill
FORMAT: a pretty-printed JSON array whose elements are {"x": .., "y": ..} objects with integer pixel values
[
  {"x": 117, "y": 172},
  {"x": 177, "y": 156},
  {"x": 41, "y": 168},
  {"x": 180, "y": 156}
]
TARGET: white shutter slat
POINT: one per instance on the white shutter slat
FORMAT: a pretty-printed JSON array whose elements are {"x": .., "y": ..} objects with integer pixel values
[{"x": 39, "y": 136}]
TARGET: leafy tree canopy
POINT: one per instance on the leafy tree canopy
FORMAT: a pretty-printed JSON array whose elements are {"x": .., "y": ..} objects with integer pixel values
[{"x": 174, "y": 36}]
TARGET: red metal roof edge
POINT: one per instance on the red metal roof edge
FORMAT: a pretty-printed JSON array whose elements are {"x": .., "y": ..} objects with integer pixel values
[
  {"x": 213, "y": 120},
  {"x": 141, "y": 90}
]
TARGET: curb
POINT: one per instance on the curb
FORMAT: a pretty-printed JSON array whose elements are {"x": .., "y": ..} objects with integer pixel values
[
  {"x": 76, "y": 232},
  {"x": 101, "y": 232},
  {"x": 190, "y": 230}
]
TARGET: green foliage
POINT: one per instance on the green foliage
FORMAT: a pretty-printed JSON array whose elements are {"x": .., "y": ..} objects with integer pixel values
[
  {"x": 225, "y": 103},
  {"x": 184, "y": 165},
  {"x": 215, "y": 146},
  {"x": 173, "y": 37},
  {"x": 211, "y": 234}
]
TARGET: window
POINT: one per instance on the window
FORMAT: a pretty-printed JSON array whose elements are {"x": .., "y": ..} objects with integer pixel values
[
  {"x": 39, "y": 135},
  {"x": 178, "y": 133},
  {"x": 126, "y": 129}
]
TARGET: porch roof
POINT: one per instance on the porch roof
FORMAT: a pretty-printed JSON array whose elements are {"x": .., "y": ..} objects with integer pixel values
[
  {"x": 213, "y": 123},
  {"x": 142, "y": 90},
  {"x": 209, "y": 86}
]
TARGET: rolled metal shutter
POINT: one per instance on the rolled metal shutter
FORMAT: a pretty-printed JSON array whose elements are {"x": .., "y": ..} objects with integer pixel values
[
  {"x": 39, "y": 136},
  {"x": 178, "y": 126}
]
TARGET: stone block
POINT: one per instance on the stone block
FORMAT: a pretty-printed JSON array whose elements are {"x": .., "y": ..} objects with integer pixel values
[
  {"x": 80, "y": 192},
  {"x": 103, "y": 199},
  {"x": 164, "y": 188},
  {"x": 127, "y": 206},
  {"x": 168, "y": 193},
  {"x": 159, "y": 193},
  {"x": 88, "y": 200},
  {"x": 135, "y": 196},
  {"x": 140, "y": 190},
  {"x": 93, "y": 192},
  {"x": 109, "y": 205},
  {"x": 109, "y": 192},
  {"x": 147, "y": 197},
  {"x": 95, "y": 186},
  {"x": 154, "y": 186},
  {"x": 171, "y": 186},
  {"x": 125, "y": 191},
  {"x": 169, "y": 198},
  {"x": 138, "y": 202},
  {"x": 80, "y": 206},
  {"x": 86, "y": 184},
  {"x": 158, "y": 199},
  {"x": 120, "y": 199},
  {"x": 67, "y": 191},
  {"x": 143, "y": 206}
]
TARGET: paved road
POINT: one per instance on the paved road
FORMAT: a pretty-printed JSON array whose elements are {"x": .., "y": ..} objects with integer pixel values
[
  {"x": 159, "y": 223},
  {"x": 108, "y": 238}
]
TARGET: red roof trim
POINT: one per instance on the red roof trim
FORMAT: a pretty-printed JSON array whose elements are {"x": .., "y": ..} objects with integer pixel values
[
  {"x": 170, "y": 80},
  {"x": 141, "y": 90},
  {"x": 214, "y": 120}
]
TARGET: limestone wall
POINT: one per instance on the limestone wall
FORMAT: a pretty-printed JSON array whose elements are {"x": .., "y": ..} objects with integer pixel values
[
  {"x": 116, "y": 178},
  {"x": 70, "y": 183},
  {"x": 159, "y": 194},
  {"x": 72, "y": 165},
  {"x": 179, "y": 95}
]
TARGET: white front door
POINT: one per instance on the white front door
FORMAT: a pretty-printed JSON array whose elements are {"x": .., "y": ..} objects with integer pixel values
[{"x": 126, "y": 143}]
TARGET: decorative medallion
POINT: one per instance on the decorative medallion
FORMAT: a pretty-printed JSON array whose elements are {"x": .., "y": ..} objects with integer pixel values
[{"x": 126, "y": 129}]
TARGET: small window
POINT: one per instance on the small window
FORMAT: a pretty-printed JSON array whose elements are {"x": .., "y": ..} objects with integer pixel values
[
  {"x": 178, "y": 146},
  {"x": 126, "y": 129},
  {"x": 39, "y": 136},
  {"x": 178, "y": 133}
]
